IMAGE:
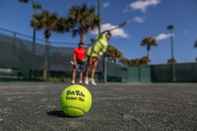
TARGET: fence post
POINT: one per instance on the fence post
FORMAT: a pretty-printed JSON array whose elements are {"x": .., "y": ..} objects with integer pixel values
[{"x": 139, "y": 73}]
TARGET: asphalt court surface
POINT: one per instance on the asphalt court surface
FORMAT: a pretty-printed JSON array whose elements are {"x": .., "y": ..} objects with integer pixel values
[{"x": 29, "y": 106}]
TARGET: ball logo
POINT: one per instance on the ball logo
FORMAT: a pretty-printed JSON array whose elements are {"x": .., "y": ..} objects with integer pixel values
[
  {"x": 75, "y": 100},
  {"x": 75, "y": 95}
]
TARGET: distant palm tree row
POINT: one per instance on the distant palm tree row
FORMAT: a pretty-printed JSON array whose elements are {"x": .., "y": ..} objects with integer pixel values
[
  {"x": 135, "y": 62},
  {"x": 113, "y": 53}
]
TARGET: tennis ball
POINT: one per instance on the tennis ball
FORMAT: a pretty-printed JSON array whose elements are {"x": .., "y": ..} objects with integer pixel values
[{"x": 75, "y": 100}]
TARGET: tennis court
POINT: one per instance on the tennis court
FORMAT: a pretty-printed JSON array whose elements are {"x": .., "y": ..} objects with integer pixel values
[{"x": 29, "y": 106}]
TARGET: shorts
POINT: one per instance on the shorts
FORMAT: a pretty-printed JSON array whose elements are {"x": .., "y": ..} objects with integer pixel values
[{"x": 80, "y": 66}]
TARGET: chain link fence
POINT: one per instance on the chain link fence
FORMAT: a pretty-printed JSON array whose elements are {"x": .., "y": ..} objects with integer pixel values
[
  {"x": 16, "y": 55},
  {"x": 17, "y": 61}
]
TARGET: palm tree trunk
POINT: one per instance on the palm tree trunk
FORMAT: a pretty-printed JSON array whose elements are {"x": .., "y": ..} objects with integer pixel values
[
  {"x": 148, "y": 51},
  {"x": 34, "y": 42},
  {"x": 173, "y": 58},
  {"x": 45, "y": 69},
  {"x": 172, "y": 47},
  {"x": 99, "y": 15},
  {"x": 81, "y": 37}
]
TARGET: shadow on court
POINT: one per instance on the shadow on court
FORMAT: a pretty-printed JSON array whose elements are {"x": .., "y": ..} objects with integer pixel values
[{"x": 56, "y": 114}]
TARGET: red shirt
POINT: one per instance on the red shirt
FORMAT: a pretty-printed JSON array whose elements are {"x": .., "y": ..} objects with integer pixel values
[{"x": 79, "y": 54}]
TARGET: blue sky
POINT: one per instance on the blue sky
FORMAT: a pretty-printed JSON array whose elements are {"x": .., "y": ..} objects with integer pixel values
[{"x": 148, "y": 18}]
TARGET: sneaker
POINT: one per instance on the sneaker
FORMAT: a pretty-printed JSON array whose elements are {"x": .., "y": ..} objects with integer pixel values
[
  {"x": 72, "y": 82},
  {"x": 93, "y": 82},
  {"x": 86, "y": 81},
  {"x": 80, "y": 82}
]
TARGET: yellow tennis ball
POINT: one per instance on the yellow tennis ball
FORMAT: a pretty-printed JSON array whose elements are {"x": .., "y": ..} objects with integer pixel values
[{"x": 75, "y": 100}]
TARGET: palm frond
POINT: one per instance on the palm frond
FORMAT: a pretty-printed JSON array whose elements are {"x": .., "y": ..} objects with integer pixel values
[
  {"x": 83, "y": 18},
  {"x": 113, "y": 52},
  {"x": 151, "y": 41},
  {"x": 36, "y": 21},
  {"x": 23, "y": 1},
  {"x": 36, "y": 5},
  {"x": 170, "y": 27}
]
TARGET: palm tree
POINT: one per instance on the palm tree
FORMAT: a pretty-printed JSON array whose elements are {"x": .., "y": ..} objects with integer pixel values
[
  {"x": 84, "y": 19},
  {"x": 113, "y": 53},
  {"x": 144, "y": 60},
  {"x": 124, "y": 61},
  {"x": 47, "y": 22},
  {"x": 134, "y": 62},
  {"x": 36, "y": 7},
  {"x": 63, "y": 25},
  {"x": 149, "y": 42}
]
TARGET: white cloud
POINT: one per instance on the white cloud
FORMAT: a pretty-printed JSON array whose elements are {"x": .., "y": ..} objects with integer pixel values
[
  {"x": 106, "y": 4},
  {"x": 116, "y": 33},
  {"x": 138, "y": 19},
  {"x": 142, "y": 5},
  {"x": 163, "y": 36}
]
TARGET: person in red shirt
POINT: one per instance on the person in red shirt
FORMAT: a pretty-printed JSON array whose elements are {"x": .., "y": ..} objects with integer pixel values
[{"x": 78, "y": 62}]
